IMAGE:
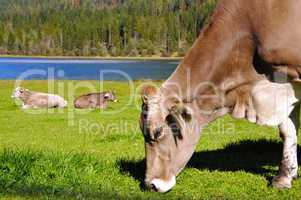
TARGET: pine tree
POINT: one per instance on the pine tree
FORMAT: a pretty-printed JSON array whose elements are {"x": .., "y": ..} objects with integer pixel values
[{"x": 99, "y": 27}]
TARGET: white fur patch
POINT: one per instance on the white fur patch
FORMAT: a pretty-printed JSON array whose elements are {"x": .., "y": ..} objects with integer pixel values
[
  {"x": 16, "y": 93},
  {"x": 55, "y": 100},
  {"x": 153, "y": 105},
  {"x": 273, "y": 102},
  {"x": 164, "y": 186},
  {"x": 288, "y": 129}
]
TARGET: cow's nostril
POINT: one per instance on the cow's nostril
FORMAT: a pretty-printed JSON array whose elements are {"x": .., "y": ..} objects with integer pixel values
[{"x": 153, "y": 188}]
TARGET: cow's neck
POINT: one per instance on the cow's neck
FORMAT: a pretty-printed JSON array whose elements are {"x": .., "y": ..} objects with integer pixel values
[{"x": 219, "y": 61}]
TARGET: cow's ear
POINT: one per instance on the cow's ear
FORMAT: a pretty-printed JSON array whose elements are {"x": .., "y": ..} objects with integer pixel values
[{"x": 146, "y": 92}]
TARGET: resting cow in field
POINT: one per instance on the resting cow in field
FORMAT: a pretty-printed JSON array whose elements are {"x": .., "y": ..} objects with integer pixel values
[
  {"x": 221, "y": 75},
  {"x": 33, "y": 99},
  {"x": 95, "y": 100}
]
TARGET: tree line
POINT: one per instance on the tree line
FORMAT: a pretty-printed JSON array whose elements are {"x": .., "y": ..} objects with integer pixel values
[{"x": 101, "y": 27}]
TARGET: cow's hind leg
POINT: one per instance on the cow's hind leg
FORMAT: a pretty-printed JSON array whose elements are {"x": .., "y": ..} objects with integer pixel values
[{"x": 288, "y": 169}]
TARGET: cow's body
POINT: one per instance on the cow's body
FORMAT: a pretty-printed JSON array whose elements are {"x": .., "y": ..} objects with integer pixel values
[
  {"x": 224, "y": 52},
  {"x": 219, "y": 75},
  {"x": 33, "y": 99},
  {"x": 94, "y": 100}
]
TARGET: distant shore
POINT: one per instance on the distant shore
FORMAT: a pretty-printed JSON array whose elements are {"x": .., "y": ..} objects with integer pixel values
[{"x": 94, "y": 57}]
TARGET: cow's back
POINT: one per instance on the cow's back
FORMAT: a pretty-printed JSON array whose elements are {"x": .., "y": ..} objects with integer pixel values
[
  {"x": 37, "y": 99},
  {"x": 92, "y": 100},
  {"x": 276, "y": 27}
]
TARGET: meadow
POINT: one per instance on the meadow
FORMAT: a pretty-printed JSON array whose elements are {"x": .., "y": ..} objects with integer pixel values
[{"x": 74, "y": 154}]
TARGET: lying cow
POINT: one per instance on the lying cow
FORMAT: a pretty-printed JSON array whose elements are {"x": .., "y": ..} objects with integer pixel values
[
  {"x": 95, "y": 100},
  {"x": 221, "y": 74},
  {"x": 33, "y": 99}
]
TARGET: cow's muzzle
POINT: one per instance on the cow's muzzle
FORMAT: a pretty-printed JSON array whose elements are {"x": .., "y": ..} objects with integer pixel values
[{"x": 159, "y": 185}]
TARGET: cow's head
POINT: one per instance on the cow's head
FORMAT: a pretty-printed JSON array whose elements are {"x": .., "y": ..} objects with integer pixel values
[
  {"x": 171, "y": 133},
  {"x": 110, "y": 96},
  {"x": 19, "y": 92}
]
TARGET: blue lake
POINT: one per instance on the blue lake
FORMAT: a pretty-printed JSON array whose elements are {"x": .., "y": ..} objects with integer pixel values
[{"x": 84, "y": 69}]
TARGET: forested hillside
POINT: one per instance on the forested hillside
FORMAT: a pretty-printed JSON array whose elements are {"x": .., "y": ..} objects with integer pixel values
[{"x": 101, "y": 27}]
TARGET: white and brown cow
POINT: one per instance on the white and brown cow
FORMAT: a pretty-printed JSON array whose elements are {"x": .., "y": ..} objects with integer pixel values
[
  {"x": 221, "y": 74},
  {"x": 31, "y": 99}
]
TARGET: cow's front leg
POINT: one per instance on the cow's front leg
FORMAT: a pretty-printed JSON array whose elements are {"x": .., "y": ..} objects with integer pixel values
[
  {"x": 26, "y": 106},
  {"x": 288, "y": 169}
]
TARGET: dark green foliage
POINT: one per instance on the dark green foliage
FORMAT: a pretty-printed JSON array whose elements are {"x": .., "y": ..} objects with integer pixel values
[{"x": 100, "y": 27}]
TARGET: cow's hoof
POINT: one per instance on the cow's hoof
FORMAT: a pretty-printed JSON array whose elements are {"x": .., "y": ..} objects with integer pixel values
[{"x": 282, "y": 182}]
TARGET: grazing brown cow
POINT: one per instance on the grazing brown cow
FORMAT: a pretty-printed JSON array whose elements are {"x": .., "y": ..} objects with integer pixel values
[
  {"x": 221, "y": 74},
  {"x": 95, "y": 100}
]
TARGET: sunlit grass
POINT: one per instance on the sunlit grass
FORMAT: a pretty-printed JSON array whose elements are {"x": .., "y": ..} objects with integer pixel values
[{"x": 73, "y": 154}]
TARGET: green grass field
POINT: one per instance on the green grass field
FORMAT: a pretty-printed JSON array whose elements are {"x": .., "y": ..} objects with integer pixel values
[{"x": 72, "y": 154}]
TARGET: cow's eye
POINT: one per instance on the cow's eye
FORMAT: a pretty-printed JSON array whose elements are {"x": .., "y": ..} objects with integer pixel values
[{"x": 173, "y": 125}]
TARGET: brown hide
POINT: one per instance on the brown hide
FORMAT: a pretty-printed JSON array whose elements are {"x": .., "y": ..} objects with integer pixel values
[
  {"x": 243, "y": 39},
  {"x": 94, "y": 100},
  {"x": 223, "y": 55}
]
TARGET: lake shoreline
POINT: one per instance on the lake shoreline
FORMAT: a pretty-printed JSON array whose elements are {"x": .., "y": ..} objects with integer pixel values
[
  {"x": 30, "y": 68},
  {"x": 94, "y": 57}
]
